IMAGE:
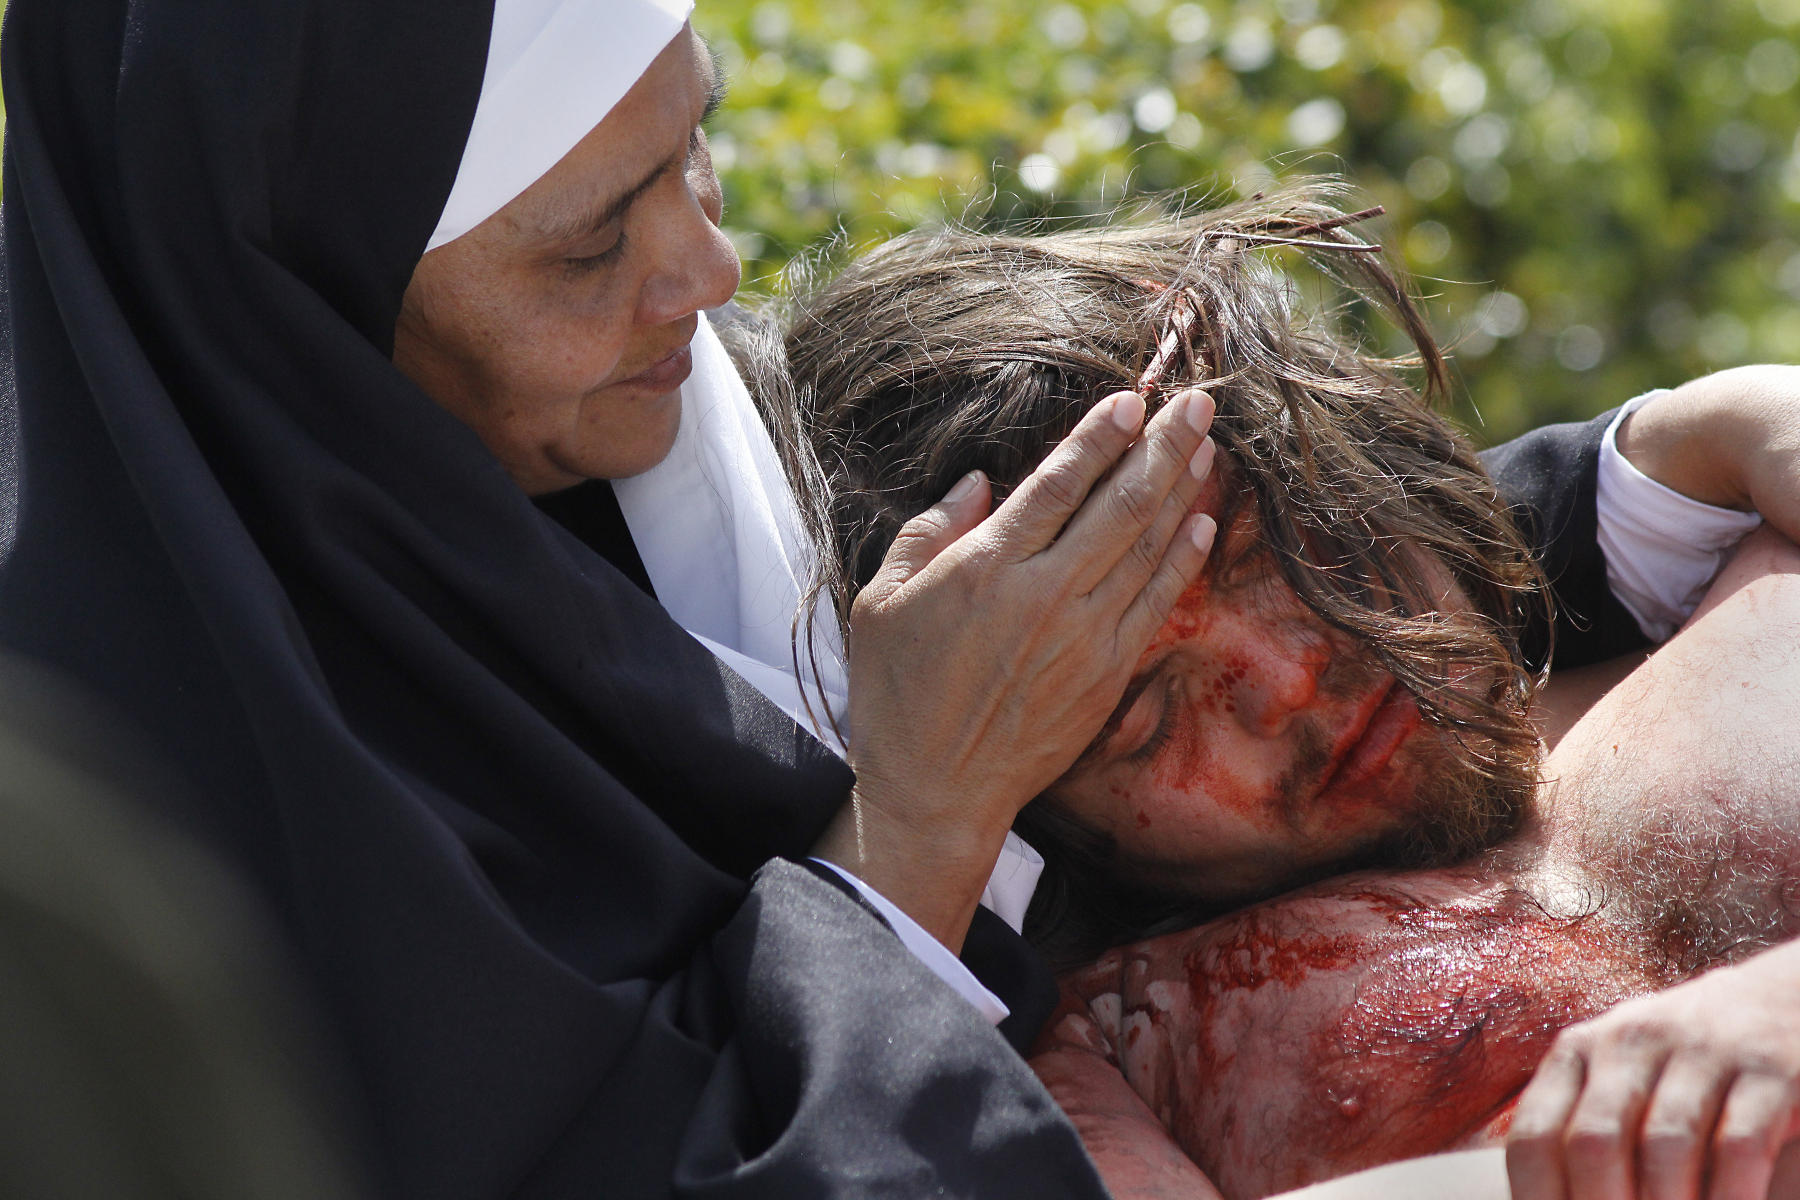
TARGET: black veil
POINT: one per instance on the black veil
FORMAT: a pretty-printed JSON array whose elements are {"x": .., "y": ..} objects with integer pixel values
[{"x": 508, "y": 810}]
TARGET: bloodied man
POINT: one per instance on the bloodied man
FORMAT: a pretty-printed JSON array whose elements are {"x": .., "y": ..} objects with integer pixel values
[
  {"x": 1346, "y": 688},
  {"x": 1387, "y": 1014},
  {"x": 1253, "y": 749},
  {"x": 1261, "y": 743}
]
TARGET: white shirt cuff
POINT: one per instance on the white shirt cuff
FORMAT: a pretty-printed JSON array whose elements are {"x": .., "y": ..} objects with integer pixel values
[
  {"x": 1015, "y": 878},
  {"x": 928, "y": 950},
  {"x": 1662, "y": 548}
]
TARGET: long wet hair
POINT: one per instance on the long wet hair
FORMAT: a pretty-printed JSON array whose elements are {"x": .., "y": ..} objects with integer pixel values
[{"x": 949, "y": 350}]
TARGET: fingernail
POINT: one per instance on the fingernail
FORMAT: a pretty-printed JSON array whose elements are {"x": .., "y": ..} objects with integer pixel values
[
  {"x": 1198, "y": 409},
  {"x": 1202, "y": 531},
  {"x": 1128, "y": 412},
  {"x": 1201, "y": 464},
  {"x": 963, "y": 487}
]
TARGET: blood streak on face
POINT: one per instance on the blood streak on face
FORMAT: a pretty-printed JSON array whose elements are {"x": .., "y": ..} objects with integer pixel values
[{"x": 1256, "y": 744}]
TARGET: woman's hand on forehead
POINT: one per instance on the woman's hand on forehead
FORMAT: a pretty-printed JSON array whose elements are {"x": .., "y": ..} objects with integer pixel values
[{"x": 990, "y": 648}]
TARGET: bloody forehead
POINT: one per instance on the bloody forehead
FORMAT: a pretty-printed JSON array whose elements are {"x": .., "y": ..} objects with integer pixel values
[{"x": 1240, "y": 575}]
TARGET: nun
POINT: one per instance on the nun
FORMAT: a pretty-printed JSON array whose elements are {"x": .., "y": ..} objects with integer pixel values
[
  {"x": 328, "y": 322},
  {"x": 366, "y": 443}
]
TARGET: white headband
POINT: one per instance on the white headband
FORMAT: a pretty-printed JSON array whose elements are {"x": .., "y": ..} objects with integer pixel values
[{"x": 555, "y": 68}]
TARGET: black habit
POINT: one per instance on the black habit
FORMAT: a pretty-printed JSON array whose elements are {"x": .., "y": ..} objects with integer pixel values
[
  {"x": 525, "y": 832},
  {"x": 532, "y": 842}
]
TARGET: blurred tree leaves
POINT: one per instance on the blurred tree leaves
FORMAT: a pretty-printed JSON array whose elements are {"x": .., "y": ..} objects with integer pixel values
[{"x": 1599, "y": 196}]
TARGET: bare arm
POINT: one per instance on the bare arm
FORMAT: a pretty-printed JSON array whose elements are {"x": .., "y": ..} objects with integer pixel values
[
  {"x": 1693, "y": 1092},
  {"x": 1568, "y": 695},
  {"x": 1731, "y": 439}
]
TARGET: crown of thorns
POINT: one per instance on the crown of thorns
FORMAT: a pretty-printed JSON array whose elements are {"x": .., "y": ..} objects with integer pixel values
[{"x": 1178, "y": 340}]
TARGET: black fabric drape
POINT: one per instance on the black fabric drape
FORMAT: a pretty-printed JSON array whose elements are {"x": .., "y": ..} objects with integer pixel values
[
  {"x": 509, "y": 813},
  {"x": 1549, "y": 478}
]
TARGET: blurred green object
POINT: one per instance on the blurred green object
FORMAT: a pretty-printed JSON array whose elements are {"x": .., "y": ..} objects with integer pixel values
[
  {"x": 1598, "y": 196},
  {"x": 158, "y": 1040}
]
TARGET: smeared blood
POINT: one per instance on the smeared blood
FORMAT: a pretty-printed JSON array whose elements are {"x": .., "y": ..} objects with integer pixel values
[
  {"x": 1190, "y": 618},
  {"x": 1356, "y": 1024},
  {"x": 1457, "y": 1006}
]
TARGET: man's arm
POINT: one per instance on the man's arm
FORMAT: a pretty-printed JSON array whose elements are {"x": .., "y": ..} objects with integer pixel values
[
  {"x": 1729, "y": 440},
  {"x": 1694, "y": 1091}
]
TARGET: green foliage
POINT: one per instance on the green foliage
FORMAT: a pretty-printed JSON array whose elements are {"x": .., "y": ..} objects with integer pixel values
[{"x": 1598, "y": 196}]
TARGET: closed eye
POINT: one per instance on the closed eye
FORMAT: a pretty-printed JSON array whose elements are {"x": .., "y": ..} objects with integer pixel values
[
  {"x": 1141, "y": 725},
  {"x": 589, "y": 263},
  {"x": 1164, "y": 710}
]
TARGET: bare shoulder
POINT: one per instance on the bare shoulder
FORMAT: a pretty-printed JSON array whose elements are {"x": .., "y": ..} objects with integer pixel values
[
  {"x": 1766, "y": 564},
  {"x": 1682, "y": 784},
  {"x": 1731, "y": 677}
]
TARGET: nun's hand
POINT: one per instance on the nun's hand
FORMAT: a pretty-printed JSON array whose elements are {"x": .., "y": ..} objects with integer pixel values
[
  {"x": 991, "y": 648},
  {"x": 1690, "y": 1094}
]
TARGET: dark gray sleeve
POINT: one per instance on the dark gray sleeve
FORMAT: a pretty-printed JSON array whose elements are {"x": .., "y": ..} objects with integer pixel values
[
  {"x": 1548, "y": 477},
  {"x": 849, "y": 1070}
]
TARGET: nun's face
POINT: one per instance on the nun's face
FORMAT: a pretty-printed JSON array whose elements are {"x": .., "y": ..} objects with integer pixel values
[{"x": 558, "y": 329}]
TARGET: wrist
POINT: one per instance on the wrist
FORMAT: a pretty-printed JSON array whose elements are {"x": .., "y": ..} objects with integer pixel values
[{"x": 933, "y": 871}]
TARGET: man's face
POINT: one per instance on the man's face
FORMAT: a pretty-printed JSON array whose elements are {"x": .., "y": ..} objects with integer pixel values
[
  {"x": 1256, "y": 745},
  {"x": 558, "y": 329}
]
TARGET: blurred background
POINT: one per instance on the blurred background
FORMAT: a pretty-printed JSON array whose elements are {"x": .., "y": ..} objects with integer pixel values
[{"x": 1596, "y": 197}]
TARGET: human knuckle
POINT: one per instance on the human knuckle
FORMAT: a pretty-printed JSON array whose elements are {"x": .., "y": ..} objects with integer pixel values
[
  {"x": 1531, "y": 1159},
  {"x": 1667, "y": 1139},
  {"x": 1161, "y": 594},
  {"x": 1571, "y": 1047},
  {"x": 1740, "y": 1142},
  {"x": 871, "y": 606},
  {"x": 1060, "y": 484},
  {"x": 1591, "y": 1142},
  {"x": 1771, "y": 1062},
  {"x": 1531, "y": 1141},
  {"x": 923, "y": 525},
  {"x": 1147, "y": 549},
  {"x": 1640, "y": 1029},
  {"x": 1624, "y": 1036},
  {"x": 1136, "y": 502},
  {"x": 979, "y": 580},
  {"x": 1169, "y": 452}
]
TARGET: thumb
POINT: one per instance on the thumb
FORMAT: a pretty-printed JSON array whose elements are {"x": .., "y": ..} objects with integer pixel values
[{"x": 932, "y": 532}]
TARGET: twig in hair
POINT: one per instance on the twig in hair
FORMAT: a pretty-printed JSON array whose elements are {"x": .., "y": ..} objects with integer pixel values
[
  {"x": 1337, "y": 222},
  {"x": 1178, "y": 334},
  {"x": 1276, "y": 239}
]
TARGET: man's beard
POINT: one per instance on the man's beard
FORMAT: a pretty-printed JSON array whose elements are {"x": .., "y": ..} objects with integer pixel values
[
  {"x": 1470, "y": 798},
  {"x": 1467, "y": 792}
]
